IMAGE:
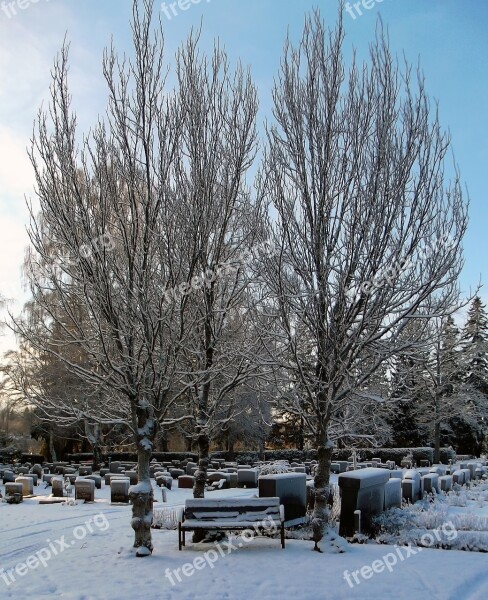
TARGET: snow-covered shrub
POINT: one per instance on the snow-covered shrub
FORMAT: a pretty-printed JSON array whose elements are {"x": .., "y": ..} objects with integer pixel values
[
  {"x": 166, "y": 518},
  {"x": 275, "y": 468}
]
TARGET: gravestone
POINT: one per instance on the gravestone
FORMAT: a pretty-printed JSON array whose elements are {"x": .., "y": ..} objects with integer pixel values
[
  {"x": 27, "y": 485},
  {"x": 291, "y": 489},
  {"x": 114, "y": 466},
  {"x": 175, "y": 473},
  {"x": 85, "y": 471},
  {"x": 393, "y": 493},
  {"x": 189, "y": 467},
  {"x": 34, "y": 478},
  {"x": 37, "y": 470},
  {"x": 47, "y": 478},
  {"x": 431, "y": 482},
  {"x": 119, "y": 490},
  {"x": 247, "y": 478},
  {"x": 132, "y": 475},
  {"x": 411, "y": 486},
  {"x": 58, "y": 486},
  {"x": 85, "y": 490},
  {"x": 445, "y": 482},
  {"x": 458, "y": 477},
  {"x": 103, "y": 471},
  {"x": 97, "y": 479},
  {"x": 8, "y": 476},
  {"x": 362, "y": 490},
  {"x": 467, "y": 475},
  {"x": 14, "y": 493},
  {"x": 186, "y": 481}
]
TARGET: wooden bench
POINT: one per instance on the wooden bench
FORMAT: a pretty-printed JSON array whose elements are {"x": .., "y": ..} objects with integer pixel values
[{"x": 257, "y": 514}]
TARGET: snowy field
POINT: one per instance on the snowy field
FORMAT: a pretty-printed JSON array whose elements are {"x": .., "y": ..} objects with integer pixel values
[{"x": 85, "y": 551}]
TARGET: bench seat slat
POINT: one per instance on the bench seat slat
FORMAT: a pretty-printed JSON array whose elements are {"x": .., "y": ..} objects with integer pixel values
[{"x": 198, "y": 524}]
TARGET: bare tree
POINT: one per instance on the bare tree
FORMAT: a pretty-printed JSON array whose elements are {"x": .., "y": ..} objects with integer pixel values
[
  {"x": 106, "y": 215},
  {"x": 218, "y": 226},
  {"x": 367, "y": 227}
]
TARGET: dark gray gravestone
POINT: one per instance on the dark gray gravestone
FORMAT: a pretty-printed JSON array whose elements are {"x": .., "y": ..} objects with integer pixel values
[
  {"x": 247, "y": 478},
  {"x": 431, "y": 482},
  {"x": 119, "y": 490},
  {"x": 8, "y": 477},
  {"x": 58, "y": 486},
  {"x": 393, "y": 493},
  {"x": 291, "y": 489},
  {"x": 411, "y": 486},
  {"x": 445, "y": 481},
  {"x": 85, "y": 490},
  {"x": 97, "y": 479},
  {"x": 362, "y": 490},
  {"x": 175, "y": 473}
]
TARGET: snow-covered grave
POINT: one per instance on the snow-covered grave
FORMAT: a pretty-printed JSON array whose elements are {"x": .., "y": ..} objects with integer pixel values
[{"x": 40, "y": 544}]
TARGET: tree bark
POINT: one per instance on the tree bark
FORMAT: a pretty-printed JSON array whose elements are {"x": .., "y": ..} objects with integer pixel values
[
  {"x": 437, "y": 442},
  {"x": 52, "y": 450},
  {"x": 322, "y": 491},
  {"x": 141, "y": 495}
]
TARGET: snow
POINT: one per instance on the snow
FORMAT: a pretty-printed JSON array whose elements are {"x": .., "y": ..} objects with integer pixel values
[{"x": 95, "y": 559}]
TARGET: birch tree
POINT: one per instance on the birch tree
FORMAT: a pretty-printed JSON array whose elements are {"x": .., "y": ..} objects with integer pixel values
[{"x": 367, "y": 224}]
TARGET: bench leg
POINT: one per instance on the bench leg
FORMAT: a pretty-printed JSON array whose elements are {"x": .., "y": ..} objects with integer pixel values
[
  {"x": 282, "y": 535},
  {"x": 179, "y": 536},
  {"x": 183, "y": 537}
]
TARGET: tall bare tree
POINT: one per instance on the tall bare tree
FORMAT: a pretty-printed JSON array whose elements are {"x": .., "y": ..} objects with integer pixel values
[
  {"x": 106, "y": 215},
  {"x": 368, "y": 228}
]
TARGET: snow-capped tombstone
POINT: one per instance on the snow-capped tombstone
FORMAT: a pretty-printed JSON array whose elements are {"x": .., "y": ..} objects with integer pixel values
[
  {"x": 445, "y": 482},
  {"x": 14, "y": 488},
  {"x": 458, "y": 477},
  {"x": 411, "y": 486},
  {"x": 58, "y": 486},
  {"x": 291, "y": 489},
  {"x": 119, "y": 491},
  {"x": 97, "y": 479},
  {"x": 27, "y": 485},
  {"x": 393, "y": 493},
  {"x": 85, "y": 471},
  {"x": 115, "y": 466},
  {"x": 190, "y": 468},
  {"x": 37, "y": 470},
  {"x": 467, "y": 475},
  {"x": 431, "y": 483},
  {"x": 8, "y": 476},
  {"x": 247, "y": 478},
  {"x": 85, "y": 490},
  {"x": 362, "y": 490}
]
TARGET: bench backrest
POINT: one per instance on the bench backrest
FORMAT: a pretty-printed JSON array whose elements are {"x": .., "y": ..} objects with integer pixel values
[{"x": 233, "y": 509}]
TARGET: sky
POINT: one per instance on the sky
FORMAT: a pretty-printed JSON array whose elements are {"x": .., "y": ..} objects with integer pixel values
[{"x": 448, "y": 38}]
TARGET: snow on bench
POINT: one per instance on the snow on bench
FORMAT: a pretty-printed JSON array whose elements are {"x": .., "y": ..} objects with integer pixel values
[{"x": 231, "y": 513}]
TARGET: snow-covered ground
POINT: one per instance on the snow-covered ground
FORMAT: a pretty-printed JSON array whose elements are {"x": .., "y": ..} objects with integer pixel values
[{"x": 86, "y": 555}]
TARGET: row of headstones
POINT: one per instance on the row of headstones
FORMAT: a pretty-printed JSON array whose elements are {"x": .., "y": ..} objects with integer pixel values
[
  {"x": 440, "y": 479},
  {"x": 374, "y": 490}
]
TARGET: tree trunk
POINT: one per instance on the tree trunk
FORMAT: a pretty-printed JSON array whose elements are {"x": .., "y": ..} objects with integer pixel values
[
  {"x": 52, "y": 451},
  {"x": 141, "y": 495},
  {"x": 230, "y": 448},
  {"x": 97, "y": 457},
  {"x": 322, "y": 491},
  {"x": 437, "y": 442},
  {"x": 203, "y": 460}
]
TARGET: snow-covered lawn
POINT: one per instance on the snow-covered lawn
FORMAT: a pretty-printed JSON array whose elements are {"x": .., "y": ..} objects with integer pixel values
[{"x": 86, "y": 553}]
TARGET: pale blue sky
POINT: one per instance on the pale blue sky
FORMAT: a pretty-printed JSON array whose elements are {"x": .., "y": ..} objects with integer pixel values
[{"x": 449, "y": 37}]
